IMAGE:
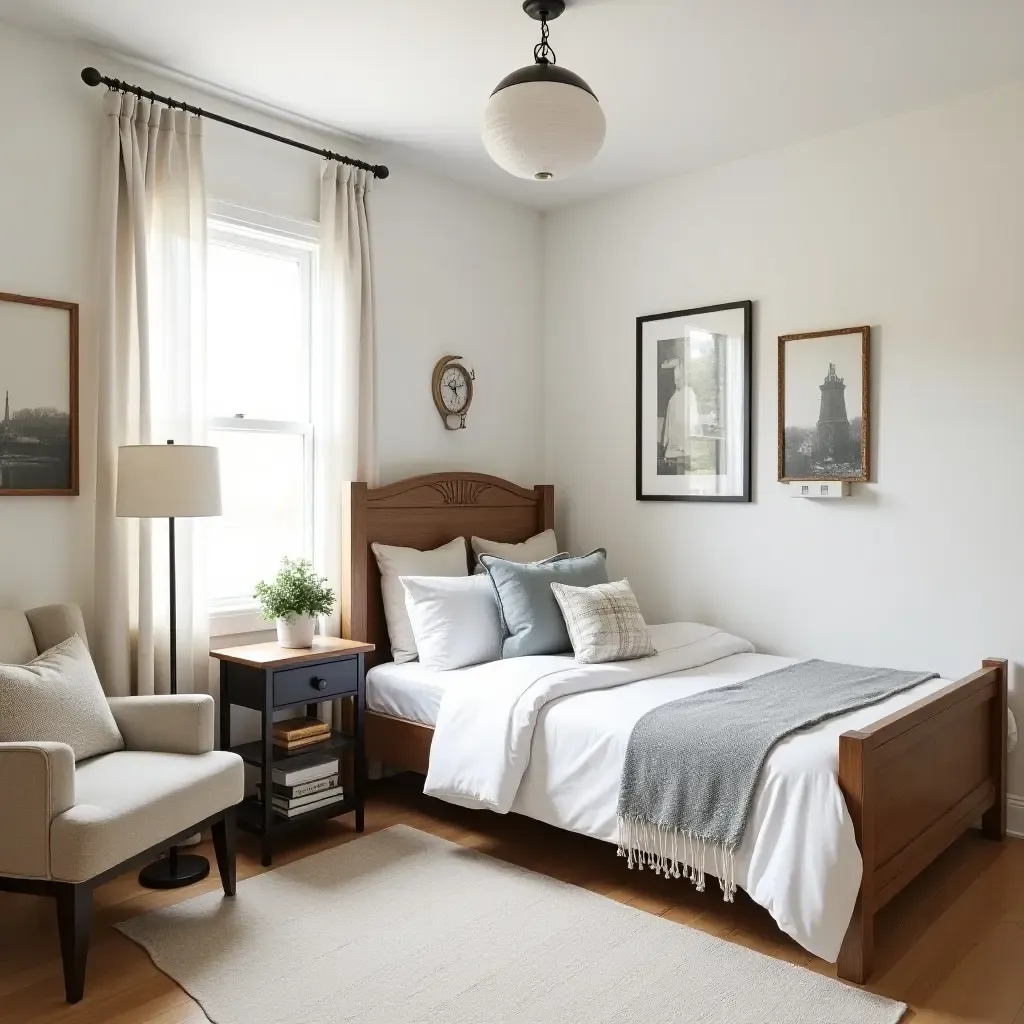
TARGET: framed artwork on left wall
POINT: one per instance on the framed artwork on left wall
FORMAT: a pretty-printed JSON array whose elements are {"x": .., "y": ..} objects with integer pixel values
[
  {"x": 693, "y": 404},
  {"x": 39, "y": 391}
]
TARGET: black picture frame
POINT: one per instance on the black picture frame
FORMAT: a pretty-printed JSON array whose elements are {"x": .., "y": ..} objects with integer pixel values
[{"x": 746, "y": 399}]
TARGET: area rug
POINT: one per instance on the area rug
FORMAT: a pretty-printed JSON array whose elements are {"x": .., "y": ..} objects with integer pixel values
[{"x": 403, "y": 927}]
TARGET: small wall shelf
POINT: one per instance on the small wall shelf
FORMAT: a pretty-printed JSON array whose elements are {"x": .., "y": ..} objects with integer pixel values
[{"x": 819, "y": 489}]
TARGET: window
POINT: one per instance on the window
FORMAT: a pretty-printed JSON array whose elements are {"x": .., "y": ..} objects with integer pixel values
[{"x": 259, "y": 353}]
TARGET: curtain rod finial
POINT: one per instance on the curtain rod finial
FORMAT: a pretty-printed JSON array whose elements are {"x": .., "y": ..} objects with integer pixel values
[
  {"x": 381, "y": 171},
  {"x": 91, "y": 76}
]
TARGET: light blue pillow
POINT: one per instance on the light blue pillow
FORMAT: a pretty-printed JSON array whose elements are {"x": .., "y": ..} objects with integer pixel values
[{"x": 531, "y": 619}]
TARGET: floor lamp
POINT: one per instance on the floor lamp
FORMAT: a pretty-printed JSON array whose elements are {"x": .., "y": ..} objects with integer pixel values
[{"x": 169, "y": 481}]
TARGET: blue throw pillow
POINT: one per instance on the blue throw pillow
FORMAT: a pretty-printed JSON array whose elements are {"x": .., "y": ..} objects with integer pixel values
[{"x": 531, "y": 619}]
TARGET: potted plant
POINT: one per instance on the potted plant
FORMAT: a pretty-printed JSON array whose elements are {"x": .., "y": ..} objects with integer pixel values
[{"x": 295, "y": 598}]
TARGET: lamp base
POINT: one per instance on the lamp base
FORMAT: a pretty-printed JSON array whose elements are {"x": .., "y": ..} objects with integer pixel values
[
  {"x": 541, "y": 10},
  {"x": 174, "y": 872}
]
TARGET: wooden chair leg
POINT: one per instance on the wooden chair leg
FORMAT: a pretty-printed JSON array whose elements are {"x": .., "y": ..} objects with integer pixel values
[
  {"x": 74, "y": 920},
  {"x": 224, "y": 846},
  {"x": 857, "y": 953}
]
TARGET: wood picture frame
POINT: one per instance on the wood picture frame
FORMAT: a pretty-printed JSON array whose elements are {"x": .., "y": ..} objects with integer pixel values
[
  {"x": 694, "y": 397},
  {"x": 835, "y": 446},
  {"x": 39, "y": 364}
]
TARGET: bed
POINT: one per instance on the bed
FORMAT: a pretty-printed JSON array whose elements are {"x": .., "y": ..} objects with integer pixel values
[{"x": 910, "y": 775}]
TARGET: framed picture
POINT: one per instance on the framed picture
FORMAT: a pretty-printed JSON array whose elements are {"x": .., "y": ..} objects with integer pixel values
[
  {"x": 824, "y": 399},
  {"x": 693, "y": 395},
  {"x": 39, "y": 389}
]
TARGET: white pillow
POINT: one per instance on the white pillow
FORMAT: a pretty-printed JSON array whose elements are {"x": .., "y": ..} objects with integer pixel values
[
  {"x": 538, "y": 548},
  {"x": 455, "y": 621},
  {"x": 448, "y": 560}
]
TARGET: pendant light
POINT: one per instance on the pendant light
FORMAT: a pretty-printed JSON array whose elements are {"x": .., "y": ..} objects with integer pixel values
[{"x": 542, "y": 121}]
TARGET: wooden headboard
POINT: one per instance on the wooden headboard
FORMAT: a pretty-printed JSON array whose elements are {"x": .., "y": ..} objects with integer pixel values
[{"x": 425, "y": 512}]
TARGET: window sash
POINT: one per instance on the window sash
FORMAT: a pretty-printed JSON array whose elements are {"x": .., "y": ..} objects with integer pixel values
[
  {"x": 238, "y": 603},
  {"x": 233, "y": 234},
  {"x": 298, "y": 241}
]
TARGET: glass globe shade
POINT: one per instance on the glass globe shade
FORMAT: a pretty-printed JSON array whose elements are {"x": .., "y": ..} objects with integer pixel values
[{"x": 543, "y": 127}]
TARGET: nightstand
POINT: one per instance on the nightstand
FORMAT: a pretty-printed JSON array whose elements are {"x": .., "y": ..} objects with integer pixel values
[{"x": 267, "y": 678}]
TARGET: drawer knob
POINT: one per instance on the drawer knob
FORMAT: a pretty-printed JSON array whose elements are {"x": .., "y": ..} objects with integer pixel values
[{"x": 317, "y": 683}]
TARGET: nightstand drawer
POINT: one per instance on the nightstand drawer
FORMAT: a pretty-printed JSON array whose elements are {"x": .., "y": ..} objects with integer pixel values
[{"x": 316, "y": 682}]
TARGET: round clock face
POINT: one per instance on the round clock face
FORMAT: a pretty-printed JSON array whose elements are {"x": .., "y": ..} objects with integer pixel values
[{"x": 455, "y": 389}]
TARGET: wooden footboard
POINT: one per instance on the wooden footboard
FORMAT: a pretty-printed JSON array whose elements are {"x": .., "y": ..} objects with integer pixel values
[{"x": 913, "y": 783}]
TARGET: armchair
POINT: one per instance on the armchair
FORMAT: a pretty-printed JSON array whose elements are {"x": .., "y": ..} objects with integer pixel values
[{"x": 69, "y": 827}]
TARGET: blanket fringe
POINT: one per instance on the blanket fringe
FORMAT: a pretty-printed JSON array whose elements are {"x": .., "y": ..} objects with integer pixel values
[{"x": 675, "y": 853}]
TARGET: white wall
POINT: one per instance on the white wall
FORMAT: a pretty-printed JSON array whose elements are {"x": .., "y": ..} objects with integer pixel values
[
  {"x": 914, "y": 225},
  {"x": 456, "y": 272}
]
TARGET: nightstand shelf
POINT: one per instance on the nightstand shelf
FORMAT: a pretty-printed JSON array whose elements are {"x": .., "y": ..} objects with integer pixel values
[
  {"x": 249, "y": 815},
  {"x": 269, "y": 678},
  {"x": 252, "y": 753}
]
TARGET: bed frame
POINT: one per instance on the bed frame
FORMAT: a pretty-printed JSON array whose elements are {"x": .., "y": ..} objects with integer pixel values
[{"x": 914, "y": 781}]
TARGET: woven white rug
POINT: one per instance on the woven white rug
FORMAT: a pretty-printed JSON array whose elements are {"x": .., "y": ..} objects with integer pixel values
[{"x": 405, "y": 927}]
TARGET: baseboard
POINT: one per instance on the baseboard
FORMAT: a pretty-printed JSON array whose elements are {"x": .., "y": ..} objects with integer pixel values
[{"x": 1015, "y": 815}]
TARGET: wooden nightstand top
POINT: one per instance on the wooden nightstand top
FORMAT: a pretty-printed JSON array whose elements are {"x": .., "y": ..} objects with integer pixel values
[{"x": 273, "y": 655}]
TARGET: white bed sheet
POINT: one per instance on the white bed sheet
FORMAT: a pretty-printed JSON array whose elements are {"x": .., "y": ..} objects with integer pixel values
[{"x": 407, "y": 691}]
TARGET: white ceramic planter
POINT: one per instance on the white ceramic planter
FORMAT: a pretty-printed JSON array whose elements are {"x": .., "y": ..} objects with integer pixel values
[{"x": 296, "y": 630}]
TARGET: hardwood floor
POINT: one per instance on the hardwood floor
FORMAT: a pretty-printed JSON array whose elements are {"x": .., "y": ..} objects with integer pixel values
[{"x": 951, "y": 945}]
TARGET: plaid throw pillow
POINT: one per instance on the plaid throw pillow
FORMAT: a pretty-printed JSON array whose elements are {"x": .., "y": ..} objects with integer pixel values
[{"x": 604, "y": 622}]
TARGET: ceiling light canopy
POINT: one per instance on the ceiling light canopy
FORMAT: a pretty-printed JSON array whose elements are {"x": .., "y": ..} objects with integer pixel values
[{"x": 543, "y": 121}]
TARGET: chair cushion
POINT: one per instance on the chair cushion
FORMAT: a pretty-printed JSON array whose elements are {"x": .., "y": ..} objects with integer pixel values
[
  {"x": 131, "y": 800},
  {"x": 53, "y": 623},
  {"x": 58, "y": 697},
  {"x": 16, "y": 644}
]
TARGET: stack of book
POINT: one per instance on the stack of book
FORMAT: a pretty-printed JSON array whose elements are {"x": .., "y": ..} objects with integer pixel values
[
  {"x": 304, "y": 783},
  {"x": 298, "y": 733}
]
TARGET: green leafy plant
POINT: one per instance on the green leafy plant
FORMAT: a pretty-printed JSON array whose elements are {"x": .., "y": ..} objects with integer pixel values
[{"x": 296, "y": 590}]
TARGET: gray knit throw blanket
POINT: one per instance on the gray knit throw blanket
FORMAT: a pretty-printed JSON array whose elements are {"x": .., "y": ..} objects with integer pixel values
[{"x": 692, "y": 765}]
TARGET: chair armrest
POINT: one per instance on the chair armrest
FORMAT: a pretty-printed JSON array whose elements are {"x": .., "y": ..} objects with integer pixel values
[
  {"x": 179, "y": 724},
  {"x": 37, "y": 782}
]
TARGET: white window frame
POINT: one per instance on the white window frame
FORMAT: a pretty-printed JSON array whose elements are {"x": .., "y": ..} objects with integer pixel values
[{"x": 228, "y": 224}]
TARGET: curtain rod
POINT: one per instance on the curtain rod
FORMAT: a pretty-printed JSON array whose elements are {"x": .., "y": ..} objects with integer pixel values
[{"x": 92, "y": 77}]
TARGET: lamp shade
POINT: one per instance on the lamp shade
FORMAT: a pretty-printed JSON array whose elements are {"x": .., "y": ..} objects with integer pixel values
[
  {"x": 543, "y": 122},
  {"x": 163, "y": 481}
]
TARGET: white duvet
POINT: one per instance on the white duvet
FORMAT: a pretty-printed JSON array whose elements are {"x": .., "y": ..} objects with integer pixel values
[{"x": 545, "y": 737}]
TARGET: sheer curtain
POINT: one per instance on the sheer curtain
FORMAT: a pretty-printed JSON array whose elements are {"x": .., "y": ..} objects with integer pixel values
[
  {"x": 343, "y": 411},
  {"x": 151, "y": 356}
]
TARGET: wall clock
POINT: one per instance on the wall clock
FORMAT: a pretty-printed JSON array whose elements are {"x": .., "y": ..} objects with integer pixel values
[{"x": 451, "y": 384}]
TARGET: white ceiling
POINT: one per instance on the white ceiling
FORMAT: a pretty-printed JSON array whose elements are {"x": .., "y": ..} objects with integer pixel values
[{"x": 684, "y": 83}]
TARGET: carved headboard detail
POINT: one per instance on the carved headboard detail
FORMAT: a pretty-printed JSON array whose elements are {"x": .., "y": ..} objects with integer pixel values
[
  {"x": 460, "y": 492},
  {"x": 425, "y": 512}
]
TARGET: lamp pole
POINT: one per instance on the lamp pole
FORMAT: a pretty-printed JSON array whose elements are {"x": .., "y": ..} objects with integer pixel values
[
  {"x": 154, "y": 876},
  {"x": 174, "y": 602},
  {"x": 175, "y": 869}
]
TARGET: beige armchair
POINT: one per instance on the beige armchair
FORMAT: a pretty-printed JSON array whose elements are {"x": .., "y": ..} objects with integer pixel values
[{"x": 67, "y": 827}]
